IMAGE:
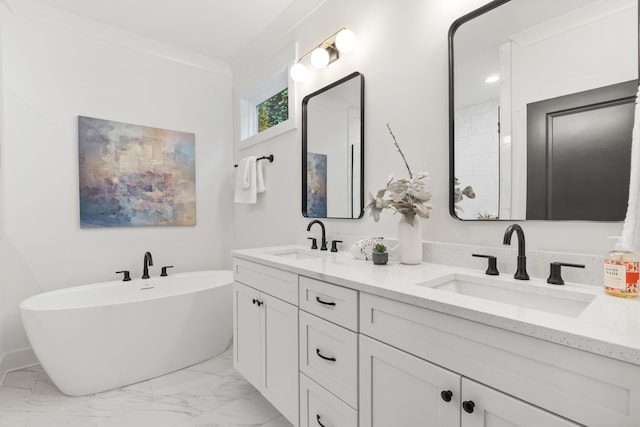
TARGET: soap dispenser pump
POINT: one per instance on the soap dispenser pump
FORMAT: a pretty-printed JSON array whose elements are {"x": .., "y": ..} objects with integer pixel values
[{"x": 621, "y": 272}]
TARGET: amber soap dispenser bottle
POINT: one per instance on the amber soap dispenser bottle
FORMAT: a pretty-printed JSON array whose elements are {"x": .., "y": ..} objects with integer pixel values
[{"x": 621, "y": 272}]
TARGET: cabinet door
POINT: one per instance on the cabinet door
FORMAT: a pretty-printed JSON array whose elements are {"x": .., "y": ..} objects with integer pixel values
[
  {"x": 400, "y": 390},
  {"x": 280, "y": 355},
  {"x": 246, "y": 333},
  {"x": 492, "y": 408}
]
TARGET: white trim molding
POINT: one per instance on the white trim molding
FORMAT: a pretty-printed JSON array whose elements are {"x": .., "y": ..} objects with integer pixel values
[
  {"x": 14, "y": 360},
  {"x": 45, "y": 14}
]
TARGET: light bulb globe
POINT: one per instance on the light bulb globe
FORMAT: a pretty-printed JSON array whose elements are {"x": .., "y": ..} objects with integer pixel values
[
  {"x": 345, "y": 41},
  {"x": 298, "y": 72},
  {"x": 320, "y": 58}
]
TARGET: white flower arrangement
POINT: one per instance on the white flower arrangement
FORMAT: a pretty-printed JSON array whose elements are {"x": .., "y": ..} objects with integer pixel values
[{"x": 408, "y": 197}]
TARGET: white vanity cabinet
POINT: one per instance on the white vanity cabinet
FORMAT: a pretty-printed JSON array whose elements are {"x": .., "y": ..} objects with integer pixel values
[
  {"x": 265, "y": 346},
  {"x": 334, "y": 356}
]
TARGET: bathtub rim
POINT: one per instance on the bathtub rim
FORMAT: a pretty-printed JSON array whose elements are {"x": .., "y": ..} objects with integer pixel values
[{"x": 24, "y": 304}]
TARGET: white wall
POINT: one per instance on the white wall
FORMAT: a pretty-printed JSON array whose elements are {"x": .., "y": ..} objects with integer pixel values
[
  {"x": 402, "y": 52},
  {"x": 53, "y": 73}
]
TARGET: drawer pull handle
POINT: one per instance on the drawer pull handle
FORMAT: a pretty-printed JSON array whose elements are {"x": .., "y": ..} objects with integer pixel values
[
  {"x": 330, "y": 359},
  {"x": 446, "y": 395},
  {"x": 468, "y": 406},
  {"x": 324, "y": 302},
  {"x": 318, "y": 419}
]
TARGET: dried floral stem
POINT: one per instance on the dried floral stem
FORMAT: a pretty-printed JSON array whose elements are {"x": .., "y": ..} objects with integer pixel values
[{"x": 395, "y": 142}]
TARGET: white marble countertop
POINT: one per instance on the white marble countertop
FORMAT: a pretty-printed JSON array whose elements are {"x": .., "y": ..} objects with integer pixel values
[{"x": 609, "y": 326}]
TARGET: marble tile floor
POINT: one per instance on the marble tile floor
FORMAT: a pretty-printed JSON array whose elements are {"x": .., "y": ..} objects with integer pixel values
[{"x": 209, "y": 394}]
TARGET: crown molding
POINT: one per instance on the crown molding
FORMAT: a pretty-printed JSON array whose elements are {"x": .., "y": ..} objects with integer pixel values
[
  {"x": 45, "y": 14},
  {"x": 572, "y": 20}
]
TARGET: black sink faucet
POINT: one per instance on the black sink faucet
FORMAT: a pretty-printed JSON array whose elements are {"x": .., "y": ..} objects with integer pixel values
[
  {"x": 148, "y": 261},
  {"x": 323, "y": 246},
  {"x": 521, "y": 272}
]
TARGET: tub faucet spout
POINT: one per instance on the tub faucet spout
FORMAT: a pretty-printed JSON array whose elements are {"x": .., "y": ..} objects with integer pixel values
[{"x": 148, "y": 261}]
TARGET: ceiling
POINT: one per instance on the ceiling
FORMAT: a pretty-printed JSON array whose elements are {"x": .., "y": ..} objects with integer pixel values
[{"x": 219, "y": 29}]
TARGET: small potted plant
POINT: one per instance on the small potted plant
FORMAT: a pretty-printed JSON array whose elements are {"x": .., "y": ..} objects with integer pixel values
[{"x": 379, "y": 254}]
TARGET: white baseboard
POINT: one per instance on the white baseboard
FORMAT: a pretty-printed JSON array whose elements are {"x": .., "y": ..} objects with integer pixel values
[{"x": 14, "y": 360}]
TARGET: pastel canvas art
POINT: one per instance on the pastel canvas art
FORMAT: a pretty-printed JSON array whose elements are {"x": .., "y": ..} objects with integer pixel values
[{"x": 133, "y": 176}]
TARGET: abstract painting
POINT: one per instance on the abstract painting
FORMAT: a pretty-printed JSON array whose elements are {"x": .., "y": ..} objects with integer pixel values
[
  {"x": 133, "y": 176},
  {"x": 316, "y": 185}
]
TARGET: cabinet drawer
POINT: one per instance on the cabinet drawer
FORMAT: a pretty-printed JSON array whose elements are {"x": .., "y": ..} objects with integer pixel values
[
  {"x": 317, "y": 406},
  {"x": 278, "y": 283},
  {"x": 588, "y": 388},
  {"x": 333, "y": 303},
  {"x": 329, "y": 356}
]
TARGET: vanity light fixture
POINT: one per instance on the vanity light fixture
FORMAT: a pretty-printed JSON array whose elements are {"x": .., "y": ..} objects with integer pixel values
[
  {"x": 492, "y": 79},
  {"x": 342, "y": 41}
]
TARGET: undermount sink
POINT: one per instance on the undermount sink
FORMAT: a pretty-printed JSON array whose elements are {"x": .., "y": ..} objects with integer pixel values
[
  {"x": 300, "y": 254},
  {"x": 525, "y": 295}
]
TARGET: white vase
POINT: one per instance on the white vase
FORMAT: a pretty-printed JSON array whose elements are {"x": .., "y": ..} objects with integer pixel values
[{"x": 409, "y": 241}]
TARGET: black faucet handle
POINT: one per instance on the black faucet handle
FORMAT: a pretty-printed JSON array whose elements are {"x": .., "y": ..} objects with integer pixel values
[
  {"x": 555, "y": 272},
  {"x": 334, "y": 245},
  {"x": 492, "y": 265},
  {"x": 314, "y": 242},
  {"x": 164, "y": 270},
  {"x": 127, "y": 276}
]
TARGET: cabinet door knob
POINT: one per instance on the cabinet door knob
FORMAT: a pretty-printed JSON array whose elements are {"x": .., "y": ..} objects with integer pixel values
[
  {"x": 446, "y": 395},
  {"x": 330, "y": 359},
  {"x": 318, "y": 419},
  {"x": 259, "y": 302},
  {"x": 253, "y": 301},
  {"x": 468, "y": 406},
  {"x": 325, "y": 302}
]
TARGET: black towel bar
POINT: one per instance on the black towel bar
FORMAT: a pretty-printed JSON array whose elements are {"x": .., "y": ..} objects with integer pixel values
[{"x": 269, "y": 157}]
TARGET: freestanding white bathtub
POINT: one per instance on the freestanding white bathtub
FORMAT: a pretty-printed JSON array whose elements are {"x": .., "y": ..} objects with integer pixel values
[{"x": 102, "y": 336}]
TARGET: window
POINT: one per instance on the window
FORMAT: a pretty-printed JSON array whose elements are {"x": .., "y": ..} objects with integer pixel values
[{"x": 273, "y": 110}]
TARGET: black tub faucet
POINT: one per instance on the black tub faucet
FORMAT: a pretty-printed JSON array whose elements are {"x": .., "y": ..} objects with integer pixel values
[
  {"x": 148, "y": 261},
  {"x": 323, "y": 246},
  {"x": 521, "y": 272}
]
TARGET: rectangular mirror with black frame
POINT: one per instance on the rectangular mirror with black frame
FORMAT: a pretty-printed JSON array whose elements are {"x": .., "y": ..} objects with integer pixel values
[
  {"x": 333, "y": 150},
  {"x": 541, "y": 105}
]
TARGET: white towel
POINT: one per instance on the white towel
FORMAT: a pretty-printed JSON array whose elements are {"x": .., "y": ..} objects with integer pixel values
[
  {"x": 249, "y": 181},
  {"x": 260, "y": 188},
  {"x": 631, "y": 228},
  {"x": 246, "y": 181}
]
